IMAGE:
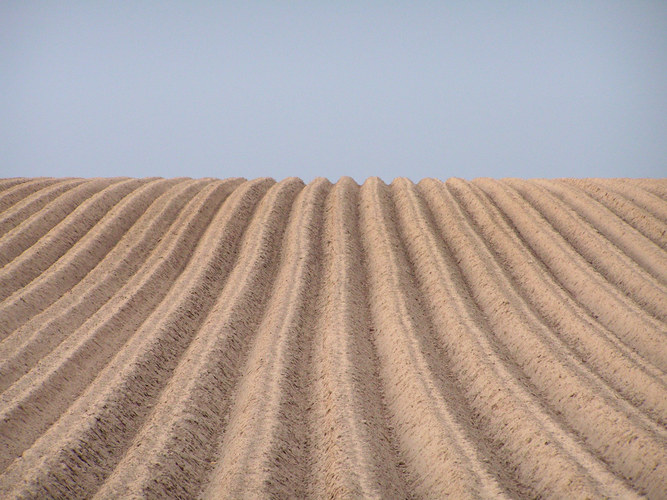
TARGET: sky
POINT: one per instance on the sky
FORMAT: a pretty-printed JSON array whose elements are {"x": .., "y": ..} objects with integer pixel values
[{"x": 360, "y": 88}]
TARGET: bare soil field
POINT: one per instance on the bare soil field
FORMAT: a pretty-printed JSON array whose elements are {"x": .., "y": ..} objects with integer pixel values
[{"x": 180, "y": 338}]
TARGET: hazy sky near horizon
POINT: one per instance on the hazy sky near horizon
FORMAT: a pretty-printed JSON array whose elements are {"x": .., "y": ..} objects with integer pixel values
[{"x": 282, "y": 88}]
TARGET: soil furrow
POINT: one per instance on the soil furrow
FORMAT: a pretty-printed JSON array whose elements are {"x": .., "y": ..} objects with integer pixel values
[
  {"x": 622, "y": 235},
  {"x": 633, "y": 377},
  {"x": 174, "y": 451},
  {"x": 189, "y": 338},
  {"x": 646, "y": 200},
  {"x": 499, "y": 394},
  {"x": 657, "y": 187},
  {"x": 264, "y": 451},
  {"x": 430, "y": 419},
  {"x": 19, "y": 191},
  {"x": 600, "y": 253},
  {"x": 16, "y": 214},
  {"x": 352, "y": 443},
  {"x": 79, "y": 259},
  {"x": 26, "y": 234},
  {"x": 103, "y": 421},
  {"x": 11, "y": 182},
  {"x": 640, "y": 219},
  {"x": 577, "y": 395},
  {"x": 61, "y": 238},
  {"x": 27, "y": 409},
  {"x": 607, "y": 303},
  {"x": 38, "y": 336}
]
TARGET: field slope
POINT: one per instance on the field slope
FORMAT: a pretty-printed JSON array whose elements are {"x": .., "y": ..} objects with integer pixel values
[{"x": 230, "y": 338}]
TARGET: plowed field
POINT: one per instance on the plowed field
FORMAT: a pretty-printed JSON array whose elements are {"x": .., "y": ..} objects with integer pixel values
[{"x": 230, "y": 338}]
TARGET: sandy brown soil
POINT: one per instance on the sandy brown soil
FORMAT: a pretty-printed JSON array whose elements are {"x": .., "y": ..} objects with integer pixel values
[{"x": 251, "y": 339}]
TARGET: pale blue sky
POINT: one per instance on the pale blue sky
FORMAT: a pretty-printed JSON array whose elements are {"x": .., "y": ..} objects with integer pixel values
[{"x": 360, "y": 88}]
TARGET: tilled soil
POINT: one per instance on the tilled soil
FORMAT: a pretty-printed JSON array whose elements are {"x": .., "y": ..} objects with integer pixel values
[{"x": 179, "y": 338}]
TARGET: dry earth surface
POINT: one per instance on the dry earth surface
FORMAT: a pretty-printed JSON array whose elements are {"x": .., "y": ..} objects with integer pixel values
[{"x": 230, "y": 338}]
